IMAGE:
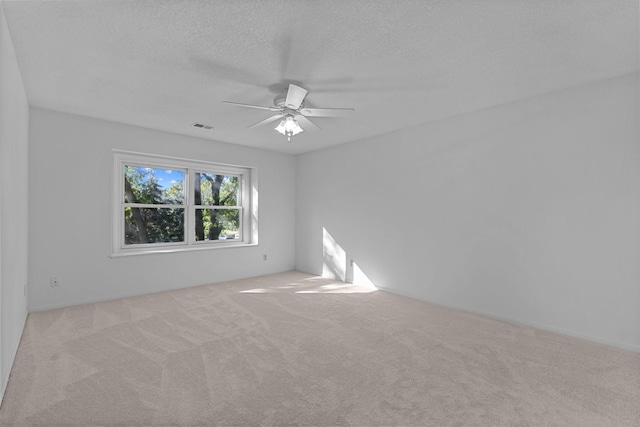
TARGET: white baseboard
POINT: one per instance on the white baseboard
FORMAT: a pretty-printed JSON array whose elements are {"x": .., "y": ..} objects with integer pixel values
[
  {"x": 573, "y": 334},
  {"x": 5, "y": 378}
]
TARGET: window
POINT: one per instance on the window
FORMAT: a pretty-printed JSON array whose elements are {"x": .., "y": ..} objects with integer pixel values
[{"x": 163, "y": 204}]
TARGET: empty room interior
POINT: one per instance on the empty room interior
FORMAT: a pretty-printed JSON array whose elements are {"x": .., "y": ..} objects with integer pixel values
[{"x": 319, "y": 213}]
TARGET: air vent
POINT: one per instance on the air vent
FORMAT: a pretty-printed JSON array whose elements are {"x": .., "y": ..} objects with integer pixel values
[{"x": 201, "y": 126}]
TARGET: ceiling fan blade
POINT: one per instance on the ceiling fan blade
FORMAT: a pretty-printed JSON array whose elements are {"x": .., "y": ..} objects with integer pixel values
[
  {"x": 223, "y": 71},
  {"x": 252, "y": 106},
  {"x": 306, "y": 124},
  {"x": 285, "y": 46},
  {"x": 267, "y": 121},
  {"x": 328, "y": 112},
  {"x": 295, "y": 96}
]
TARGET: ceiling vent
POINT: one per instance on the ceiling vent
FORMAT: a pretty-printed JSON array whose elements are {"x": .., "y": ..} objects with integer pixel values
[{"x": 201, "y": 126}]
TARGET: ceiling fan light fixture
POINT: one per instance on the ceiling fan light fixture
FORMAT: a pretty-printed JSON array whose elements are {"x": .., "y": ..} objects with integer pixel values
[
  {"x": 291, "y": 111},
  {"x": 289, "y": 127}
]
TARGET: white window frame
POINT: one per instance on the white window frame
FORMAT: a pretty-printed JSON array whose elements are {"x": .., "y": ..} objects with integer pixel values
[{"x": 246, "y": 199}]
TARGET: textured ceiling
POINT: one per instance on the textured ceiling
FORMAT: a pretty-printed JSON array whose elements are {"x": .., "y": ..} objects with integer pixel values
[{"x": 166, "y": 64}]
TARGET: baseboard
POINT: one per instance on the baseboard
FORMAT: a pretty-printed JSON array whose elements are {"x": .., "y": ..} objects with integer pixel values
[
  {"x": 35, "y": 309},
  {"x": 5, "y": 379},
  {"x": 573, "y": 334}
]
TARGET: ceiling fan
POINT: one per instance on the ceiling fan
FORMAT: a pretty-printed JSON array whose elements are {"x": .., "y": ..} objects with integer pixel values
[{"x": 290, "y": 109}]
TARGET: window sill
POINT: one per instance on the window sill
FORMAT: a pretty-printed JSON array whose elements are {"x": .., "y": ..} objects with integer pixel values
[{"x": 193, "y": 248}]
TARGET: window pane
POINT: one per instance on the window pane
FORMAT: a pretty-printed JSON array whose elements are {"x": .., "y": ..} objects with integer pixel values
[
  {"x": 217, "y": 224},
  {"x": 153, "y": 185},
  {"x": 153, "y": 225},
  {"x": 215, "y": 190}
]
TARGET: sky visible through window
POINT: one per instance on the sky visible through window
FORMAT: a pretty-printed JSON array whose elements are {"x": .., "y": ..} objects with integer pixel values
[{"x": 165, "y": 177}]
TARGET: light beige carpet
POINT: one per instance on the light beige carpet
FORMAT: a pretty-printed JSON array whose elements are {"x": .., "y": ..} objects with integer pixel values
[{"x": 292, "y": 349}]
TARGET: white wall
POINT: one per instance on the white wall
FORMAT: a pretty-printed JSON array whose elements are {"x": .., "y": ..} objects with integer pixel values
[
  {"x": 14, "y": 127},
  {"x": 70, "y": 171},
  {"x": 528, "y": 212}
]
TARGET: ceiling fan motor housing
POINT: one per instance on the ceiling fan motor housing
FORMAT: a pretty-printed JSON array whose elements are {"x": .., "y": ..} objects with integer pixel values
[{"x": 280, "y": 101}]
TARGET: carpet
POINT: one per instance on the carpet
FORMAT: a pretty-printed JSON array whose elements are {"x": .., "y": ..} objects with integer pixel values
[{"x": 294, "y": 349}]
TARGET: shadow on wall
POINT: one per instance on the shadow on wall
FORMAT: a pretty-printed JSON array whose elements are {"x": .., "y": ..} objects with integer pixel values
[
  {"x": 338, "y": 276},
  {"x": 335, "y": 264},
  {"x": 334, "y": 258}
]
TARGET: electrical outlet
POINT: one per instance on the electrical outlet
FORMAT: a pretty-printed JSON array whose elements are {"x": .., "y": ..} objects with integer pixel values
[
  {"x": 54, "y": 282},
  {"x": 264, "y": 257}
]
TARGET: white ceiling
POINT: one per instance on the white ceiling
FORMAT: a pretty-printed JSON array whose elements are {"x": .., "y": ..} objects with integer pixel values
[{"x": 164, "y": 64}]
